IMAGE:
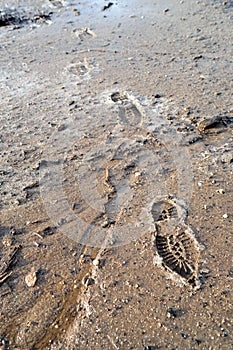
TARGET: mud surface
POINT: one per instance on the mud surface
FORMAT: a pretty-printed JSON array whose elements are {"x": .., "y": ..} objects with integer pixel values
[{"x": 107, "y": 111}]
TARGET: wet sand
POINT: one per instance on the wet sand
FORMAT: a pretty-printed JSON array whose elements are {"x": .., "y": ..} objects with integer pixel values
[{"x": 103, "y": 113}]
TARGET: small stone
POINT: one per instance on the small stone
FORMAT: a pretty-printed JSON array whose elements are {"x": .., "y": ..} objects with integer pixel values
[
  {"x": 171, "y": 312},
  {"x": 7, "y": 241},
  {"x": 96, "y": 262},
  {"x": 198, "y": 341},
  {"x": 88, "y": 281},
  {"x": 76, "y": 12},
  {"x": 61, "y": 127},
  {"x": 227, "y": 157},
  {"x": 208, "y": 123},
  {"x": 221, "y": 191},
  {"x": 157, "y": 96},
  {"x": 205, "y": 271},
  {"x": 31, "y": 278},
  {"x": 105, "y": 224},
  {"x": 184, "y": 336},
  {"x": 225, "y": 216},
  {"x": 137, "y": 173}
]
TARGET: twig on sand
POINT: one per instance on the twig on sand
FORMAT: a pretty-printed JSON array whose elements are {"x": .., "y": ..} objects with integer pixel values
[{"x": 112, "y": 342}]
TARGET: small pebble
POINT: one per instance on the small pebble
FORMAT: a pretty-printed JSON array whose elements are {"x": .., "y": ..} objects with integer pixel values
[
  {"x": 96, "y": 262},
  {"x": 61, "y": 127},
  {"x": 31, "y": 278},
  {"x": 88, "y": 281},
  {"x": 7, "y": 241},
  {"x": 184, "y": 336},
  {"x": 225, "y": 216},
  {"x": 227, "y": 157},
  {"x": 105, "y": 224},
  {"x": 221, "y": 191},
  {"x": 137, "y": 173},
  {"x": 76, "y": 12}
]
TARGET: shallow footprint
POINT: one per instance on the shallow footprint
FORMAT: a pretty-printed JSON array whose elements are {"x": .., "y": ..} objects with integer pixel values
[
  {"x": 83, "y": 69},
  {"x": 79, "y": 69},
  {"x": 128, "y": 111},
  {"x": 83, "y": 33}
]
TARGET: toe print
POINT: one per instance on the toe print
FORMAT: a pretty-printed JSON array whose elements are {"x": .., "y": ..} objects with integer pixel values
[{"x": 169, "y": 209}]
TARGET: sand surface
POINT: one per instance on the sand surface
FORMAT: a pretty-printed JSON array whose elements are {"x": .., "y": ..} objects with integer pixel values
[{"x": 107, "y": 110}]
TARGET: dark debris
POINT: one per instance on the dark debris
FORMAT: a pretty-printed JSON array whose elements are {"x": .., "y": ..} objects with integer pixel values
[
  {"x": 107, "y": 6},
  {"x": 17, "y": 19}
]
